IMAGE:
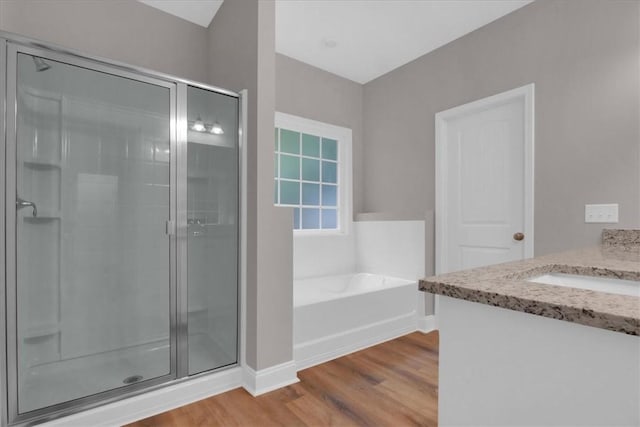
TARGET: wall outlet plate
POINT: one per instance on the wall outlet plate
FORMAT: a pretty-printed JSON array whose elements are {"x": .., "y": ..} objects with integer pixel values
[{"x": 601, "y": 213}]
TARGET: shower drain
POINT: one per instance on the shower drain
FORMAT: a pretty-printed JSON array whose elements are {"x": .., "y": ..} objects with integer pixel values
[{"x": 132, "y": 379}]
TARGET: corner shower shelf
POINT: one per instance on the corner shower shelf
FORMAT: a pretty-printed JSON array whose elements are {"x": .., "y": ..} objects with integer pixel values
[
  {"x": 42, "y": 216},
  {"x": 39, "y": 164},
  {"x": 205, "y": 138},
  {"x": 197, "y": 175},
  {"x": 41, "y": 331},
  {"x": 196, "y": 309}
]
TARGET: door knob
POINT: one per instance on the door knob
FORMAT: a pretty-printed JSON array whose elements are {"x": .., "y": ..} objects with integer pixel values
[{"x": 518, "y": 236}]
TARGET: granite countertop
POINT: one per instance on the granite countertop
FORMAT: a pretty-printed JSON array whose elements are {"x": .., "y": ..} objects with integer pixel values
[{"x": 506, "y": 285}]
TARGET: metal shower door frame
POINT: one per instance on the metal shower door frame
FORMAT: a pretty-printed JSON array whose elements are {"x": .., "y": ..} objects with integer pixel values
[
  {"x": 12, "y": 51},
  {"x": 181, "y": 231},
  {"x": 4, "y": 416},
  {"x": 10, "y": 45}
]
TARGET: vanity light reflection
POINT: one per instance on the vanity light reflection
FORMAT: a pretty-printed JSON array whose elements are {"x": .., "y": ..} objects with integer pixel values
[
  {"x": 217, "y": 129},
  {"x": 200, "y": 126}
]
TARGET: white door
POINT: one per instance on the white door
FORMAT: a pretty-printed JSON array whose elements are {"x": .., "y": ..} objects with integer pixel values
[{"x": 484, "y": 182}]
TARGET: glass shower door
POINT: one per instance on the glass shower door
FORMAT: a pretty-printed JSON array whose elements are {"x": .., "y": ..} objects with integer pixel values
[
  {"x": 212, "y": 229},
  {"x": 93, "y": 282}
]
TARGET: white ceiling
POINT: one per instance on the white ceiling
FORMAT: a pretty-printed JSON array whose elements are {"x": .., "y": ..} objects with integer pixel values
[
  {"x": 373, "y": 37},
  {"x": 199, "y": 12},
  {"x": 360, "y": 39}
]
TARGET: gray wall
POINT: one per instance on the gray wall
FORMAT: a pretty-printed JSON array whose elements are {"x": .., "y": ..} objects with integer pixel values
[
  {"x": 122, "y": 30},
  {"x": 242, "y": 56},
  {"x": 583, "y": 57},
  {"x": 309, "y": 92}
]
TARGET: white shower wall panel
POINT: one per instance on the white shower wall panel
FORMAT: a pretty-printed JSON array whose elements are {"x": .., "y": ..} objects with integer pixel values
[
  {"x": 115, "y": 204},
  {"x": 323, "y": 255},
  {"x": 392, "y": 248}
]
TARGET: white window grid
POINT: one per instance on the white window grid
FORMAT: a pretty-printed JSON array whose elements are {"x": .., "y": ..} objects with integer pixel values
[{"x": 301, "y": 181}]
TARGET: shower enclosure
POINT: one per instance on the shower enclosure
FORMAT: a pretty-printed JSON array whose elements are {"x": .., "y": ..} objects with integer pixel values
[{"x": 120, "y": 200}]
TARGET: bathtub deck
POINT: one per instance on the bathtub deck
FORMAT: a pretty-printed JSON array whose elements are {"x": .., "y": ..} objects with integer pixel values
[{"x": 391, "y": 384}]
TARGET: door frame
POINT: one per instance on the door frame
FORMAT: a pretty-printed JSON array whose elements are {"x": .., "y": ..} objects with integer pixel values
[{"x": 524, "y": 94}]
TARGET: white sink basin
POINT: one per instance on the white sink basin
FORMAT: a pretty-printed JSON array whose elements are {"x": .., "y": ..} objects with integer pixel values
[{"x": 600, "y": 284}]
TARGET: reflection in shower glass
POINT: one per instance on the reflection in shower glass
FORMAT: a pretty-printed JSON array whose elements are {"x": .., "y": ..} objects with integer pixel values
[
  {"x": 212, "y": 238},
  {"x": 93, "y": 289}
]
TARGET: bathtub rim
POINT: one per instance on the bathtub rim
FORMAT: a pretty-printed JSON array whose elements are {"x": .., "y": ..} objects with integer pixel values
[{"x": 397, "y": 282}]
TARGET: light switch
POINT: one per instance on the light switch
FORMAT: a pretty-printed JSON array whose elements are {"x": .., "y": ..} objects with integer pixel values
[{"x": 601, "y": 213}]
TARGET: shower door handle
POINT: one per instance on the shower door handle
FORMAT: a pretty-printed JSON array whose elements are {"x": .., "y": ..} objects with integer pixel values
[
  {"x": 20, "y": 203},
  {"x": 170, "y": 228}
]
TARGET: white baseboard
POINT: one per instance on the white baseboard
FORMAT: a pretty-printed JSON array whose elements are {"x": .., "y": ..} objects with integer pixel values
[
  {"x": 427, "y": 323},
  {"x": 154, "y": 402},
  {"x": 322, "y": 350},
  {"x": 266, "y": 380}
]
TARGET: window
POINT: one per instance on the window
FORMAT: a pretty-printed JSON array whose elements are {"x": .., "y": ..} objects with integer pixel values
[{"x": 312, "y": 173}]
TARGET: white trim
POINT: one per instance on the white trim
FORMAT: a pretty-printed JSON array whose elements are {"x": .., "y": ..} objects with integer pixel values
[
  {"x": 427, "y": 324},
  {"x": 312, "y": 127},
  {"x": 269, "y": 379},
  {"x": 526, "y": 94},
  {"x": 244, "y": 97},
  {"x": 154, "y": 402},
  {"x": 331, "y": 347},
  {"x": 344, "y": 136}
]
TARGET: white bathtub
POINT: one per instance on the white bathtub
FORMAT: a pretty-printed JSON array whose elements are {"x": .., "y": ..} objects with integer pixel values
[{"x": 336, "y": 315}]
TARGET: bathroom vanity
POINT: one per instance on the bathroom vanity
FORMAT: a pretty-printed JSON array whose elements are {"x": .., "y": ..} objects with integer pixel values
[{"x": 552, "y": 340}]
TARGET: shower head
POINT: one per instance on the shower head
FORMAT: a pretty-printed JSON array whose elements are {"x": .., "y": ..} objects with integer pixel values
[{"x": 41, "y": 65}]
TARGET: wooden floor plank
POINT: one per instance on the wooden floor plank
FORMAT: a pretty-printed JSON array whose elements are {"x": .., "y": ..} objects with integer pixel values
[
  {"x": 275, "y": 407},
  {"x": 418, "y": 386},
  {"x": 357, "y": 398},
  {"x": 316, "y": 412},
  {"x": 392, "y": 384}
]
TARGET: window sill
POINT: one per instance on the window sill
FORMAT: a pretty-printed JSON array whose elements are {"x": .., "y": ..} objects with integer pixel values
[{"x": 319, "y": 233}]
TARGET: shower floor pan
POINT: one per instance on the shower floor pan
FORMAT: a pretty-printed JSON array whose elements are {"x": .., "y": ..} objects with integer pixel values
[{"x": 66, "y": 380}]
